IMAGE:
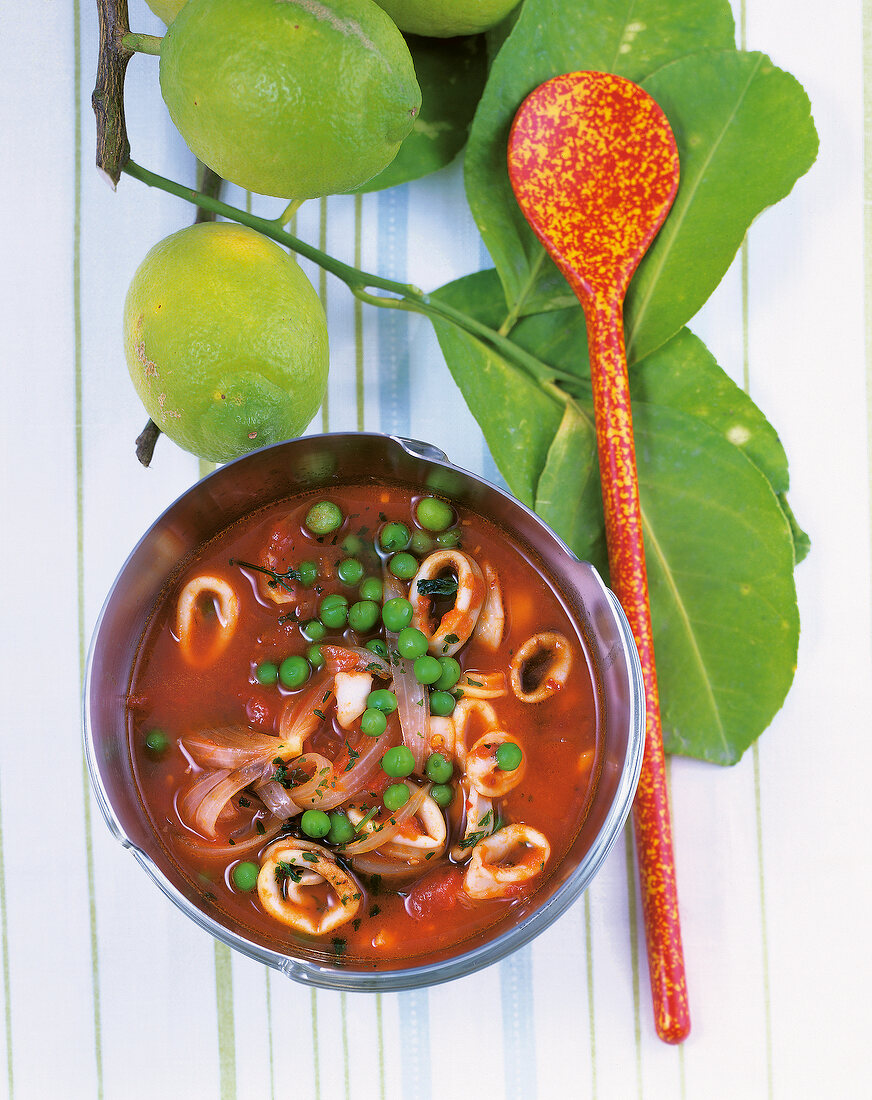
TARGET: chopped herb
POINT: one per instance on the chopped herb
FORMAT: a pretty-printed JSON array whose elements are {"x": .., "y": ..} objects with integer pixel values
[
  {"x": 365, "y": 820},
  {"x": 286, "y": 870},
  {"x": 486, "y": 819},
  {"x": 353, "y": 755},
  {"x": 355, "y": 924},
  {"x": 310, "y": 857},
  {"x": 471, "y": 839},
  {"x": 429, "y": 855},
  {"x": 320, "y": 714},
  {"x": 438, "y": 586},
  {"x": 276, "y": 579},
  {"x": 327, "y": 695},
  {"x": 288, "y": 617},
  {"x": 474, "y": 683},
  {"x": 244, "y": 802},
  {"x": 452, "y": 639},
  {"x": 339, "y": 947},
  {"x": 231, "y": 841},
  {"x": 259, "y": 828},
  {"x": 374, "y": 909},
  {"x": 209, "y": 895},
  {"x": 373, "y": 667},
  {"x": 356, "y": 897}
]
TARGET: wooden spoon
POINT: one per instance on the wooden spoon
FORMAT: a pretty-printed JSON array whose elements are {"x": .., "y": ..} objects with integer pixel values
[{"x": 594, "y": 167}]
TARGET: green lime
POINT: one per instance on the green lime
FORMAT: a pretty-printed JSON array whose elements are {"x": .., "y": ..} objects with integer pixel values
[
  {"x": 446, "y": 18},
  {"x": 166, "y": 9},
  {"x": 226, "y": 340},
  {"x": 296, "y": 99}
]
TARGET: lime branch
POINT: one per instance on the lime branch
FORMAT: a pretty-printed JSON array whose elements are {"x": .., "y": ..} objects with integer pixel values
[{"x": 394, "y": 295}]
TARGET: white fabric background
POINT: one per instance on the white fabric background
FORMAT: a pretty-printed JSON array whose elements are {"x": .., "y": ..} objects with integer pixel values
[{"x": 106, "y": 989}]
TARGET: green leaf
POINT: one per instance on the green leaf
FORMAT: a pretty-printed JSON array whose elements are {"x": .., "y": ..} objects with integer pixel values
[
  {"x": 518, "y": 418},
  {"x": 568, "y": 492},
  {"x": 801, "y": 541},
  {"x": 745, "y": 136},
  {"x": 683, "y": 374},
  {"x": 451, "y": 73},
  {"x": 549, "y": 38},
  {"x": 720, "y": 562}
]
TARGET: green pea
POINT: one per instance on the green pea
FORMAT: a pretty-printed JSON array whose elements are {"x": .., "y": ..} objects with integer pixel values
[
  {"x": 398, "y": 762},
  {"x": 315, "y": 823},
  {"x": 267, "y": 672},
  {"x": 363, "y": 615},
  {"x": 352, "y": 545},
  {"x": 308, "y": 571},
  {"x": 396, "y": 613},
  {"x": 421, "y": 542},
  {"x": 450, "y": 674},
  {"x": 442, "y": 703},
  {"x": 509, "y": 756},
  {"x": 448, "y": 538},
  {"x": 373, "y": 722},
  {"x": 378, "y": 646},
  {"x": 156, "y": 742},
  {"x": 323, "y": 517},
  {"x": 313, "y": 630},
  {"x": 341, "y": 829},
  {"x": 438, "y": 768},
  {"x": 394, "y": 536},
  {"x": 350, "y": 571},
  {"x": 382, "y": 699},
  {"x": 396, "y": 796},
  {"x": 403, "y": 566},
  {"x": 433, "y": 514},
  {"x": 442, "y": 794},
  {"x": 411, "y": 643},
  {"x": 427, "y": 670},
  {"x": 314, "y": 656},
  {"x": 371, "y": 589},
  {"x": 334, "y": 611},
  {"x": 244, "y": 876},
  {"x": 294, "y": 672}
]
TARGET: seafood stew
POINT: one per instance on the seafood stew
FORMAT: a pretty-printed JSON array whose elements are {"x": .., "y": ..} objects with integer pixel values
[{"x": 362, "y": 723}]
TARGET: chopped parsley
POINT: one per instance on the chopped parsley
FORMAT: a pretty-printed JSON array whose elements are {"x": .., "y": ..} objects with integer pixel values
[
  {"x": 353, "y": 756},
  {"x": 276, "y": 579},
  {"x": 339, "y": 947},
  {"x": 244, "y": 802},
  {"x": 286, "y": 870},
  {"x": 438, "y": 586},
  {"x": 320, "y": 713},
  {"x": 374, "y": 910},
  {"x": 451, "y": 639},
  {"x": 310, "y": 857}
]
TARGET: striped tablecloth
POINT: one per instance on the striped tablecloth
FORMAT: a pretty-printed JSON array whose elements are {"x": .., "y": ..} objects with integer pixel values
[{"x": 107, "y": 991}]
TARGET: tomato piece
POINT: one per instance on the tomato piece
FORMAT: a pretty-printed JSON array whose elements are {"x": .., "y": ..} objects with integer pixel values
[{"x": 435, "y": 893}]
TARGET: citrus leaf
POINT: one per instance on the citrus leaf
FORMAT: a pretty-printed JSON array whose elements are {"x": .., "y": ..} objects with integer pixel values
[
  {"x": 451, "y": 74},
  {"x": 720, "y": 559},
  {"x": 745, "y": 136},
  {"x": 560, "y": 36},
  {"x": 568, "y": 508}
]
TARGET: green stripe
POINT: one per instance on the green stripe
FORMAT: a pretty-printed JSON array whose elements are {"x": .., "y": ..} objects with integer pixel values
[
  {"x": 316, "y": 1056},
  {"x": 591, "y": 1000},
  {"x": 358, "y": 313},
  {"x": 226, "y": 1025},
  {"x": 343, "y": 1015},
  {"x": 7, "y": 989},
  {"x": 634, "y": 951},
  {"x": 80, "y": 525},
  {"x": 380, "y": 1031},
  {"x": 764, "y": 937},
  {"x": 322, "y": 294},
  {"x": 269, "y": 1024}
]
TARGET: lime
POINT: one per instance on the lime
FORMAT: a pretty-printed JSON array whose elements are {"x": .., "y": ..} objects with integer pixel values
[
  {"x": 446, "y": 18},
  {"x": 291, "y": 98},
  {"x": 166, "y": 9},
  {"x": 226, "y": 340}
]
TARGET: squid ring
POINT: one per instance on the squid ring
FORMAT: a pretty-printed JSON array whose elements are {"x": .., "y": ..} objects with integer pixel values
[
  {"x": 484, "y": 773},
  {"x": 459, "y": 622},
  {"x": 514, "y": 855},
  {"x": 429, "y": 823},
  {"x": 290, "y": 887},
  {"x": 189, "y": 618},
  {"x": 461, "y": 716},
  {"x": 479, "y": 820},
  {"x": 551, "y": 676}
]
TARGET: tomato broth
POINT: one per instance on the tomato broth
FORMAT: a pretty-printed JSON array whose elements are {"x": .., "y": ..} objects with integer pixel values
[{"x": 251, "y": 687}]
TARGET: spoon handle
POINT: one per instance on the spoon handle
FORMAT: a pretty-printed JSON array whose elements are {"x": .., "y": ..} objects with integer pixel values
[{"x": 623, "y": 515}]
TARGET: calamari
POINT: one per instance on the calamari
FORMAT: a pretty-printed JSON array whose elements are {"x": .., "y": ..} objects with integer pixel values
[{"x": 514, "y": 855}]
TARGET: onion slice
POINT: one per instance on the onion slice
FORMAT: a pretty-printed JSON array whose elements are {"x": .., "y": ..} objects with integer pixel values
[
  {"x": 354, "y": 658},
  {"x": 413, "y": 699},
  {"x": 376, "y": 835}
]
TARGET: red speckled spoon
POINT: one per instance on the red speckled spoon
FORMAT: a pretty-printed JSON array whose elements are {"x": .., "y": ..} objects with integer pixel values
[{"x": 594, "y": 167}]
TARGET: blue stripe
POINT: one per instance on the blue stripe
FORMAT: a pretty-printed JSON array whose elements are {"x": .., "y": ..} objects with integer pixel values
[
  {"x": 393, "y": 324},
  {"x": 519, "y": 1037},
  {"x": 415, "y": 1044}
]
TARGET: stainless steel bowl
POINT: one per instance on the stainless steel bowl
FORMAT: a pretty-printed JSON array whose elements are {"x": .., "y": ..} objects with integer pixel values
[{"x": 317, "y": 462}]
